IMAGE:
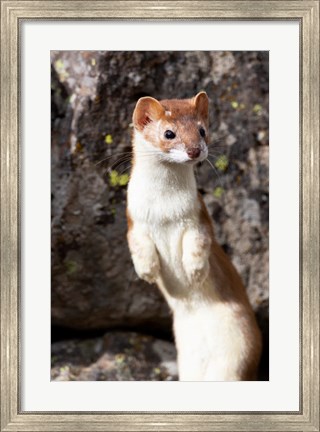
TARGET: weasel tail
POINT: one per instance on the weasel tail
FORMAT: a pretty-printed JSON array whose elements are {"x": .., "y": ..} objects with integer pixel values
[{"x": 171, "y": 240}]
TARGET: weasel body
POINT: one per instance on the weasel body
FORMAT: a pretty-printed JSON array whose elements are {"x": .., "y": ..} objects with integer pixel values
[{"x": 171, "y": 241}]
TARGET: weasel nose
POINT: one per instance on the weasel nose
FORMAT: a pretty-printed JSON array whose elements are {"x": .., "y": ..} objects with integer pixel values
[{"x": 193, "y": 153}]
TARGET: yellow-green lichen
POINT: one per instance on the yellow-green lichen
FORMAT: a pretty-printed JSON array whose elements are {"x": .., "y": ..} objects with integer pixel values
[
  {"x": 117, "y": 179},
  {"x": 71, "y": 267},
  {"x": 257, "y": 109},
  {"x": 120, "y": 358},
  {"x": 222, "y": 163},
  {"x": 61, "y": 70},
  {"x": 218, "y": 192},
  {"x": 108, "y": 139}
]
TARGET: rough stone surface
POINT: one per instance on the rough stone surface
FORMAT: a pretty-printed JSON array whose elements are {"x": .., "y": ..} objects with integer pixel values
[
  {"x": 117, "y": 356},
  {"x": 93, "y": 96}
]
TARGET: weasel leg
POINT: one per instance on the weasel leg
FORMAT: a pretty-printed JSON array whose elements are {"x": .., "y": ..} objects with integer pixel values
[
  {"x": 195, "y": 255},
  {"x": 144, "y": 255}
]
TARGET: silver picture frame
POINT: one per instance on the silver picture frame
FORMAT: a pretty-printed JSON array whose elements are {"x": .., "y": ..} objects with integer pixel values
[{"x": 304, "y": 12}]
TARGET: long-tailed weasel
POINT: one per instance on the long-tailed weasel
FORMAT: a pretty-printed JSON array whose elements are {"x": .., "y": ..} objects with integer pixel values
[{"x": 172, "y": 243}]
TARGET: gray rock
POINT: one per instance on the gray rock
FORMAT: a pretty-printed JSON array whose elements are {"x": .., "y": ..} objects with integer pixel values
[{"x": 117, "y": 356}]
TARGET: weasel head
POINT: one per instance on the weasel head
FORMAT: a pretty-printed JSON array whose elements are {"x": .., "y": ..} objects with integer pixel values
[{"x": 176, "y": 130}]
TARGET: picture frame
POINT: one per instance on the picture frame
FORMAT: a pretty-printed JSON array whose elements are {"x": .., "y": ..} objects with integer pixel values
[{"x": 12, "y": 14}]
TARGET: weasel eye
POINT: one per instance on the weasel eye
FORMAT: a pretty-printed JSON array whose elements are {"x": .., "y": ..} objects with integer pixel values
[
  {"x": 202, "y": 132},
  {"x": 169, "y": 134}
]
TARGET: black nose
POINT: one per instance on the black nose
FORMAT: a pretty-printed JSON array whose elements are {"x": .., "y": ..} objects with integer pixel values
[{"x": 193, "y": 153}]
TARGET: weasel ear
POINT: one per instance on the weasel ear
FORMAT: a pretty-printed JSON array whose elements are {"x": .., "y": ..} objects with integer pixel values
[
  {"x": 201, "y": 103},
  {"x": 147, "y": 110}
]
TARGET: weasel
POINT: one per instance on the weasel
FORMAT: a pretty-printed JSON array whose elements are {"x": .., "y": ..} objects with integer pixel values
[{"x": 172, "y": 244}]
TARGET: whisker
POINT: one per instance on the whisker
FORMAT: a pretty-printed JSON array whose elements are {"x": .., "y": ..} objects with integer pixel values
[
  {"x": 216, "y": 147},
  {"x": 108, "y": 172},
  {"x": 114, "y": 154},
  {"x": 120, "y": 161},
  {"x": 216, "y": 154},
  {"x": 220, "y": 138},
  {"x": 131, "y": 153},
  {"x": 116, "y": 165},
  {"x": 126, "y": 168},
  {"x": 123, "y": 160},
  {"x": 216, "y": 172}
]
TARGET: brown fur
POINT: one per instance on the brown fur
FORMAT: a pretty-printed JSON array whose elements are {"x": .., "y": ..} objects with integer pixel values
[
  {"x": 182, "y": 116},
  {"x": 231, "y": 290},
  {"x": 129, "y": 220}
]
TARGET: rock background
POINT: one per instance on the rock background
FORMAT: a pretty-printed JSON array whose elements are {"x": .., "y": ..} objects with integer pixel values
[
  {"x": 93, "y": 95},
  {"x": 116, "y": 356}
]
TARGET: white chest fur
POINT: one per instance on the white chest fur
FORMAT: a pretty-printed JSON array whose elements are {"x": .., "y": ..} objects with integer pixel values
[
  {"x": 160, "y": 193},
  {"x": 162, "y": 201}
]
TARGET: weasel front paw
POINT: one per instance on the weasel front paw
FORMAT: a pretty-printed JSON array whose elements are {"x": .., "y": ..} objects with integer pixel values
[
  {"x": 197, "y": 270},
  {"x": 196, "y": 250},
  {"x": 147, "y": 268}
]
